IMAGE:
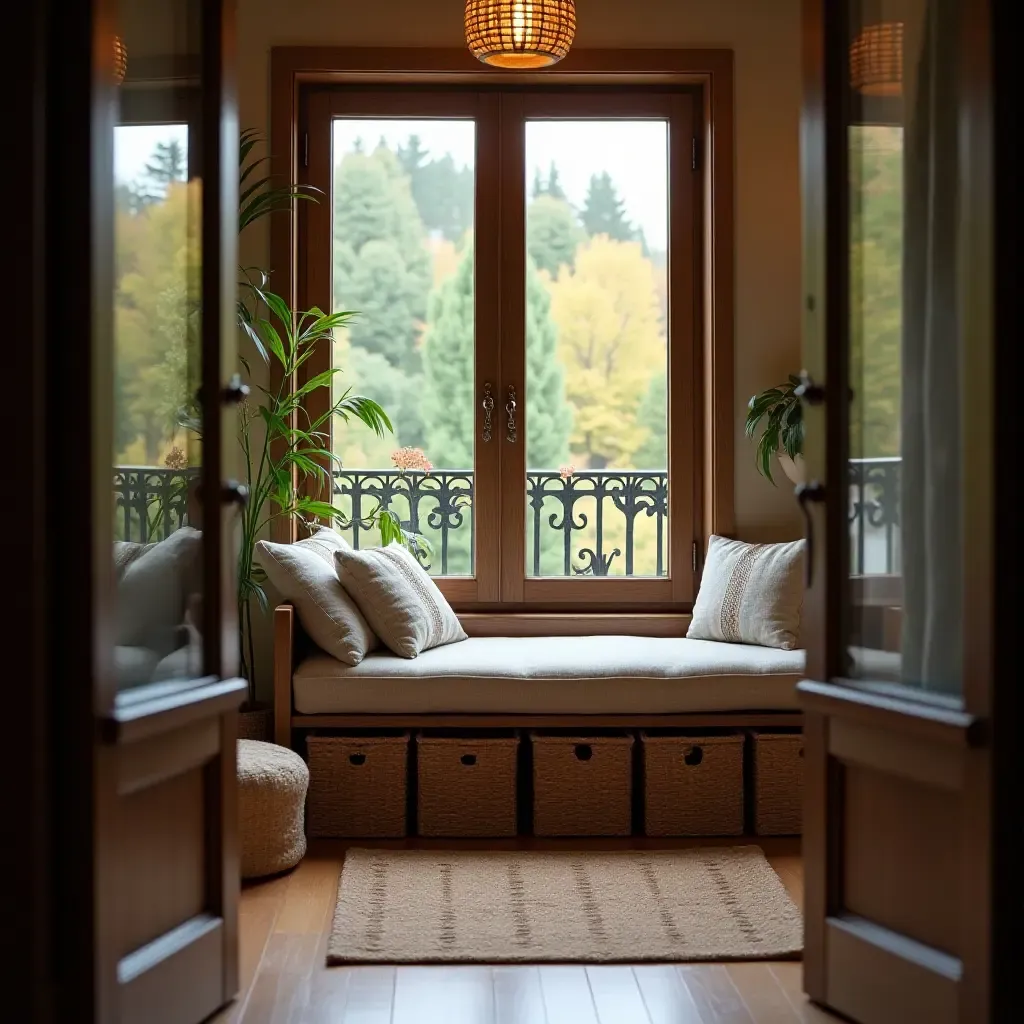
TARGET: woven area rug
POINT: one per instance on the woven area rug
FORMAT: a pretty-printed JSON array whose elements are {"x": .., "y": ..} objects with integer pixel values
[{"x": 424, "y": 906}]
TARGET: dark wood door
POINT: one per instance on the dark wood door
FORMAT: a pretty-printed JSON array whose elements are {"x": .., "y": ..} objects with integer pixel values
[
  {"x": 142, "y": 171},
  {"x": 901, "y": 511}
]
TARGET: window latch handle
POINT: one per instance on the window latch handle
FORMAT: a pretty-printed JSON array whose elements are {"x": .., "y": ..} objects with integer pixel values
[
  {"x": 510, "y": 410},
  {"x": 488, "y": 405}
]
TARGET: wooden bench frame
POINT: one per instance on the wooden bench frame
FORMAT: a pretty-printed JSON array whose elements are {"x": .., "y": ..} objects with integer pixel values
[{"x": 286, "y": 720}]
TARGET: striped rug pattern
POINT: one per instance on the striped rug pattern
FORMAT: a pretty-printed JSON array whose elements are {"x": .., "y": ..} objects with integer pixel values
[{"x": 428, "y": 906}]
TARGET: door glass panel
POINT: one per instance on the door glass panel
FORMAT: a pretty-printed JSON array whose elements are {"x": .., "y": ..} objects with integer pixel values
[
  {"x": 157, "y": 436},
  {"x": 404, "y": 195},
  {"x": 597, "y": 348},
  {"x": 905, "y": 589}
]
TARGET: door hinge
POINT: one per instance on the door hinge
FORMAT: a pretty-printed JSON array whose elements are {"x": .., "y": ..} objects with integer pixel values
[
  {"x": 694, "y": 556},
  {"x": 695, "y": 153},
  {"x": 305, "y": 150}
]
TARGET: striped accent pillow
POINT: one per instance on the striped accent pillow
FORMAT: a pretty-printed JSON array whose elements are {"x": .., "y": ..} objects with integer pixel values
[
  {"x": 304, "y": 574},
  {"x": 399, "y": 600},
  {"x": 750, "y": 594}
]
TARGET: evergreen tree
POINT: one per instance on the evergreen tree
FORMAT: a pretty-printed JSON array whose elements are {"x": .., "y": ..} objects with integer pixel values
[
  {"x": 548, "y": 416},
  {"x": 380, "y": 287},
  {"x": 604, "y": 212},
  {"x": 538, "y": 186},
  {"x": 554, "y": 188},
  {"x": 168, "y": 163},
  {"x": 448, "y": 404},
  {"x": 381, "y": 265},
  {"x": 653, "y": 416},
  {"x": 552, "y": 233},
  {"x": 444, "y": 193}
]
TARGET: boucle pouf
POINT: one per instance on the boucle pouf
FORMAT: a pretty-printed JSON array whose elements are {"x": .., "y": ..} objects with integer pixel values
[{"x": 272, "y": 784}]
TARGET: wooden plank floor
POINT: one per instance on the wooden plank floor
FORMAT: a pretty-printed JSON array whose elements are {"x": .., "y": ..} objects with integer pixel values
[{"x": 285, "y": 922}]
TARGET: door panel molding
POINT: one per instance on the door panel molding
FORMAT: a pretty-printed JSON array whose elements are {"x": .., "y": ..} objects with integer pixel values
[
  {"x": 901, "y": 756},
  {"x": 880, "y": 976},
  {"x": 175, "y": 977}
]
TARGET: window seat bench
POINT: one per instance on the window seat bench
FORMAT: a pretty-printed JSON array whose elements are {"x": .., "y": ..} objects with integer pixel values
[{"x": 535, "y": 682}]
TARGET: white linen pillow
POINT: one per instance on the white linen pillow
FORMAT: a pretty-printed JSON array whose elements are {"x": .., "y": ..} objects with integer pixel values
[
  {"x": 400, "y": 601},
  {"x": 154, "y": 587},
  {"x": 304, "y": 573},
  {"x": 750, "y": 594}
]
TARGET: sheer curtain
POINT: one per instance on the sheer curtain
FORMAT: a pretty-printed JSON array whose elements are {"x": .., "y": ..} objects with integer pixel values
[{"x": 931, "y": 447}]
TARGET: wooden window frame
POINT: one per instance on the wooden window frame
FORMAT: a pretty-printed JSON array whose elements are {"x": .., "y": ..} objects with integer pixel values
[{"x": 708, "y": 74}]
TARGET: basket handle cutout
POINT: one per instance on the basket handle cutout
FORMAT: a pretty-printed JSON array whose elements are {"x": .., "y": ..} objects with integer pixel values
[
  {"x": 694, "y": 756},
  {"x": 583, "y": 751},
  {"x": 468, "y": 759},
  {"x": 357, "y": 759}
]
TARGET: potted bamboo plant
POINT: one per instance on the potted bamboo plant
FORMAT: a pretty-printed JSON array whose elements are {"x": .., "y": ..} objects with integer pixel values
[{"x": 288, "y": 460}]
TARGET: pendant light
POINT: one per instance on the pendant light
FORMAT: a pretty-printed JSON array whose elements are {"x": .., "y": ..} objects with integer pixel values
[
  {"x": 876, "y": 60},
  {"x": 520, "y": 33},
  {"x": 120, "y": 60}
]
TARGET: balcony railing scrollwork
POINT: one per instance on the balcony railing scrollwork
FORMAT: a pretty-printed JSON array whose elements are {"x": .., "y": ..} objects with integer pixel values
[{"x": 587, "y": 523}]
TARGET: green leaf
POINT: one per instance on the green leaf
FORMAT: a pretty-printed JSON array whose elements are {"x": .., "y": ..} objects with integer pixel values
[
  {"x": 366, "y": 410},
  {"x": 320, "y": 380},
  {"x": 273, "y": 339}
]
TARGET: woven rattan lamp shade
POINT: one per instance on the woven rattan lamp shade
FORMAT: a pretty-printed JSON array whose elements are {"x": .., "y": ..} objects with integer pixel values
[
  {"x": 520, "y": 33},
  {"x": 120, "y": 60},
  {"x": 876, "y": 60}
]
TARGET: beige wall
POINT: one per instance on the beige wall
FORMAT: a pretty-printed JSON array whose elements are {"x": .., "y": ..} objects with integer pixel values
[{"x": 765, "y": 37}]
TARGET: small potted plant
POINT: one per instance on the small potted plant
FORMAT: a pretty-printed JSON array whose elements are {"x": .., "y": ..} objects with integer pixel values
[{"x": 781, "y": 412}]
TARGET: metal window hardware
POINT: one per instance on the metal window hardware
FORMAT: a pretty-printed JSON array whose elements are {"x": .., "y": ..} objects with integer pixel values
[
  {"x": 510, "y": 410},
  {"x": 488, "y": 404}
]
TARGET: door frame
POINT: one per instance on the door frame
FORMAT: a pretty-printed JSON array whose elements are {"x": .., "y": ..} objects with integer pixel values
[{"x": 852, "y": 963}]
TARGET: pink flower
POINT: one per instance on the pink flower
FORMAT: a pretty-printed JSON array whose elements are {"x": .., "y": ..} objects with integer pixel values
[
  {"x": 566, "y": 471},
  {"x": 411, "y": 458}
]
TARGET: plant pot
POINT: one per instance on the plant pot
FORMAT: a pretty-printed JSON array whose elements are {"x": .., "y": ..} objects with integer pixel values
[
  {"x": 795, "y": 469},
  {"x": 256, "y": 722}
]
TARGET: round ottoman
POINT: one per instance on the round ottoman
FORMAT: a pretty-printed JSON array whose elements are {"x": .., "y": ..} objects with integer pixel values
[{"x": 272, "y": 784}]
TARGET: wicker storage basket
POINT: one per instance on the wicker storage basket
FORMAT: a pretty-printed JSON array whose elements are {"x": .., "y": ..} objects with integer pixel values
[
  {"x": 467, "y": 786},
  {"x": 693, "y": 785},
  {"x": 582, "y": 785},
  {"x": 778, "y": 783},
  {"x": 357, "y": 786}
]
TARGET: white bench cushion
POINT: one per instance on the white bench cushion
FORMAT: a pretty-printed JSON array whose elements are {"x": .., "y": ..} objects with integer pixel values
[{"x": 555, "y": 675}]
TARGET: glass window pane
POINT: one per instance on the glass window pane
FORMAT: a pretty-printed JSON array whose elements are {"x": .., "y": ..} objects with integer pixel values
[
  {"x": 904, "y": 608},
  {"x": 157, "y": 437},
  {"x": 597, "y": 347},
  {"x": 403, "y": 261}
]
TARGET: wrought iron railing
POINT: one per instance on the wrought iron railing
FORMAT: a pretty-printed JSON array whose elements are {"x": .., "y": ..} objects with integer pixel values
[
  {"x": 874, "y": 514},
  {"x": 590, "y": 523},
  {"x": 150, "y": 502}
]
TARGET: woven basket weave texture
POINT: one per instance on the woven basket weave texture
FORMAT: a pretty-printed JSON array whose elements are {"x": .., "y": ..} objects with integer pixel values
[
  {"x": 582, "y": 785},
  {"x": 693, "y": 785},
  {"x": 467, "y": 787},
  {"x": 358, "y": 786},
  {"x": 778, "y": 783},
  {"x": 271, "y": 791}
]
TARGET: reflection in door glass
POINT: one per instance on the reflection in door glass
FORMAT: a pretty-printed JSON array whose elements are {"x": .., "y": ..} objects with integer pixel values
[
  {"x": 404, "y": 193},
  {"x": 156, "y": 352},
  {"x": 905, "y": 542},
  {"x": 597, "y": 348}
]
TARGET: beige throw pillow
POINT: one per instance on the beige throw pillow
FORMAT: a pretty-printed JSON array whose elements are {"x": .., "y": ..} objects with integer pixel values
[
  {"x": 304, "y": 574},
  {"x": 750, "y": 594},
  {"x": 400, "y": 601}
]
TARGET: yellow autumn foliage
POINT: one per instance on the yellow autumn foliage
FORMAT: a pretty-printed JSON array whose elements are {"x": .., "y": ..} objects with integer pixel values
[{"x": 611, "y": 344}]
